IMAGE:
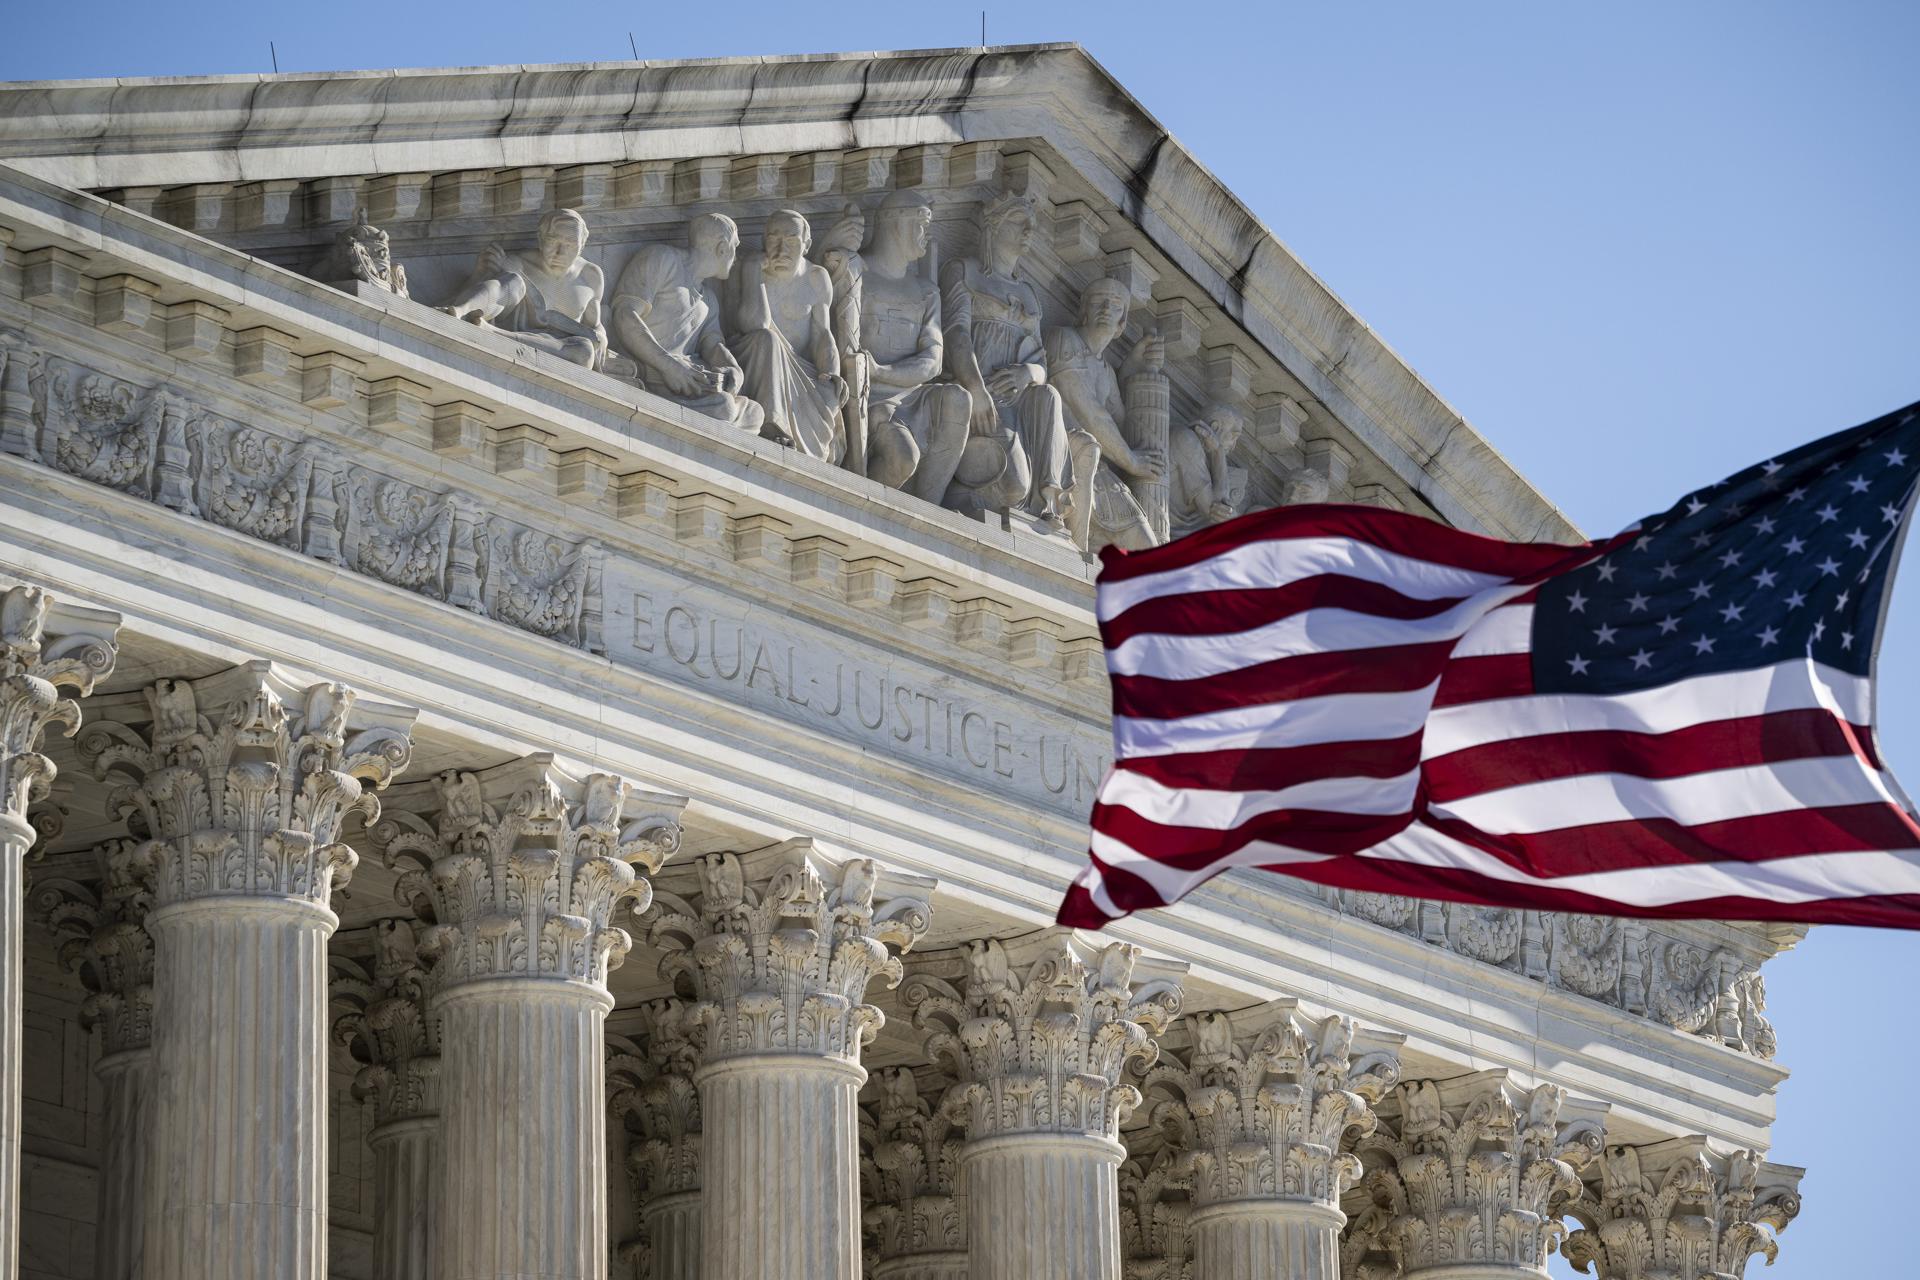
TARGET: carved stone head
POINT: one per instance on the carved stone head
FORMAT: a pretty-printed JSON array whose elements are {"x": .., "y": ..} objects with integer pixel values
[
  {"x": 1103, "y": 311},
  {"x": 785, "y": 241},
  {"x": 715, "y": 242},
  {"x": 904, "y": 219},
  {"x": 1006, "y": 229},
  {"x": 562, "y": 237}
]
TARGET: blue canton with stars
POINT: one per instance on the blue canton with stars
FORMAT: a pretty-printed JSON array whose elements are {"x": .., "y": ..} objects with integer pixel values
[{"x": 1787, "y": 559}]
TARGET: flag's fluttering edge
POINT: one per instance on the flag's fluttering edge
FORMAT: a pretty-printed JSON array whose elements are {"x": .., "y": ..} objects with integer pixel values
[{"x": 1677, "y": 721}]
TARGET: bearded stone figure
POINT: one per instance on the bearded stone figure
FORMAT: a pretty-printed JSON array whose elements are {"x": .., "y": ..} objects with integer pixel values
[
  {"x": 783, "y": 334},
  {"x": 548, "y": 297},
  {"x": 916, "y": 427},
  {"x": 666, "y": 314},
  {"x": 1018, "y": 456},
  {"x": 1204, "y": 487}
]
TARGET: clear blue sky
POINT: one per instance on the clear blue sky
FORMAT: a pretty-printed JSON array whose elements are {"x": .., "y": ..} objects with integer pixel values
[{"x": 1638, "y": 246}]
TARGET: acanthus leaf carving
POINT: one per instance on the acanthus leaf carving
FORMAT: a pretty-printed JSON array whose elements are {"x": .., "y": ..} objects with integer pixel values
[
  {"x": 523, "y": 867},
  {"x": 239, "y": 783},
  {"x": 1676, "y": 1210},
  {"x": 910, "y": 1171},
  {"x": 102, "y": 938},
  {"x": 1043, "y": 1046},
  {"x": 47, "y": 652},
  {"x": 781, "y": 964},
  {"x": 385, "y": 1021},
  {"x": 1266, "y": 1105},
  {"x": 652, "y": 1097}
]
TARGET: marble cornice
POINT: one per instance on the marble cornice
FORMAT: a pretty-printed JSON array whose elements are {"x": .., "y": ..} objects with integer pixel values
[{"x": 247, "y": 129}]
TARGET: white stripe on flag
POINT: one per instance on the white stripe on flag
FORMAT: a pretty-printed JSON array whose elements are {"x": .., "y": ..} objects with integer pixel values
[
  {"x": 1697, "y": 798},
  {"x": 1797, "y": 685},
  {"x": 1263, "y": 566},
  {"x": 1508, "y": 629},
  {"x": 1335, "y": 717},
  {"x": 1224, "y": 810}
]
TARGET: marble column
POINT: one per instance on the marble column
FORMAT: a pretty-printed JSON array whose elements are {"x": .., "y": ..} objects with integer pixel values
[
  {"x": 1037, "y": 1034},
  {"x": 780, "y": 946},
  {"x": 103, "y": 938},
  {"x": 522, "y": 868},
  {"x": 916, "y": 1212},
  {"x": 651, "y": 1095},
  {"x": 1678, "y": 1208},
  {"x": 1156, "y": 1210},
  {"x": 47, "y": 653},
  {"x": 384, "y": 1023},
  {"x": 1468, "y": 1179},
  {"x": 239, "y": 784},
  {"x": 1255, "y": 1107}
]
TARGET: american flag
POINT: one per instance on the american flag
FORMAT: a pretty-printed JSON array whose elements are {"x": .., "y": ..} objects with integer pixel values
[{"x": 1677, "y": 721}]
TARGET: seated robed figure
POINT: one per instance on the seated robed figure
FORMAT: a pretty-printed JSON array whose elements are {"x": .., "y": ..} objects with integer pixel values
[
  {"x": 666, "y": 314},
  {"x": 780, "y": 328},
  {"x": 548, "y": 297}
]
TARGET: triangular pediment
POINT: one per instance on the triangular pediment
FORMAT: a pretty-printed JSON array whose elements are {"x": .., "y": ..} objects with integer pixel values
[{"x": 447, "y": 162}]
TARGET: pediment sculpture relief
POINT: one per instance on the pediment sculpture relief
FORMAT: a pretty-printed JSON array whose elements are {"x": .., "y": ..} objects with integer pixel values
[{"x": 857, "y": 346}]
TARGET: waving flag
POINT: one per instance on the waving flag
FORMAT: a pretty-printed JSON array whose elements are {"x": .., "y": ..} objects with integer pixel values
[{"x": 1677, "y": 721}]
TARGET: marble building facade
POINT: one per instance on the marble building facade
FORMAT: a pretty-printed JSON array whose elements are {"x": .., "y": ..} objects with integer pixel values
[{"x": 551, "y": 693}]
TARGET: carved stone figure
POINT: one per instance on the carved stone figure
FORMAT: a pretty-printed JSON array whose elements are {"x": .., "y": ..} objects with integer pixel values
[
  {"x": 1204, "y": 487},
  {"x": 666, "y": 315},
  {"x": 1103, "y": 510},
  {"x": 839, "y": 253},
  {"x": 361, "y": 252},
  {"x": 548, "y": 297},
  {"x": 1017, "y": 453},
  {"x": 916, "y": 428},
  {"x": 784, "y": 336}
]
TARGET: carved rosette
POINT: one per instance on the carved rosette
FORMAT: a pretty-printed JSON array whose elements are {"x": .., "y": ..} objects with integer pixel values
[
  {"x": 1156, "y": 1212},
  {"x": 1473, "y": 1171},
  {"x": 46, "y": 654},
  {"x": 782, "y": 964},
  {"x": 240, "y": 783},
  {"x": 1261, "y": 1114},
  {"x": 1042, "y": 1047},
  {"x": 1676, "y": 1211},
  {"x": 909, "y": 1171},
  {"x": 385, "y": 1024},
  {"x": 103, "y": 940},
  {"x": 522, "y": 867}
]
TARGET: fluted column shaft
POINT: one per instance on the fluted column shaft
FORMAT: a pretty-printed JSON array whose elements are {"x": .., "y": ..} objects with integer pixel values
[
  {"x": 15, "y": 838},
  {"x": 238, "y": 1189},
  {"x": 923, "y": 1266},
  {"x": 672, "y": 1223},
  {"x": 780, "y": 1168},
  {"x": 1043, "y": 1204},
  {"x": 524, "y": 1119},
  {"x": 1267, "y": 1240},
  {"x": 126, "y": 1083},
  {"x": 408, "y": 1172}
]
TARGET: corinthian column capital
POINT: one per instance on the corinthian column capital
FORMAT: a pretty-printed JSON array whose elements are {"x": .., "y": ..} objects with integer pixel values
[
  {"x": 1679, "y": 1209},
  {"x": 1260, "y": 1102},
  {"x": 910, "y": 1169},
  {"x": 240, "y": 782},
  {"x": 1039, "y": 1032},
  {"x": 522, "y": 867},
  {"x": 383, "y": 1021},
  {"x": 1473, "y": 1173},
  {"x": 48, "y": 652},
  {"x": 103, "y": 940},
  {"x": 781, "y": 944}
]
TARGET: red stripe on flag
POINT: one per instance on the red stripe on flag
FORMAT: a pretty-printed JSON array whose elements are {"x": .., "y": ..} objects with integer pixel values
[
  {"x": 1391, "y": 670},
  {"x": 1700, "y": 748},
  {"x": 1271, "y": 768},
  {"x": 1227, "y": 612},
  {"x": 1484, "y": 679}
]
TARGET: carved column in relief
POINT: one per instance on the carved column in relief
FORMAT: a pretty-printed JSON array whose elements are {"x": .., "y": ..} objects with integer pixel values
[
  {"x": 1257, "y": 1105},
  {"x": 1038, "y": 1033},
  {"x": 521, "y": 869},
  {"x": 1676, "y": 1210},
  {"x": 239, "y": 785},
  {"x": 46, "y": 653},
  {"x": 779, "y": 947},
  {"x": 652, "y": 1094},
  {"x": 910, "y": 1172},
  {"x": 1468, "y": 1179},
  {"x": 103, "y": 939},
  {"x": 1156, "y": 1210},
  {"x": 391, "y": 1033}
]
